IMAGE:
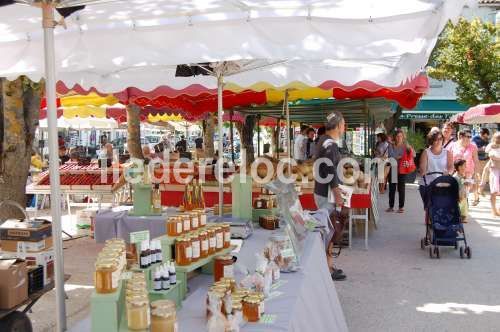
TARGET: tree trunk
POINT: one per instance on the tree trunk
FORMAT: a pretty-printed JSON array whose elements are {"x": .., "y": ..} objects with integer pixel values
[
  {"x": 390, "y": 123},
  {"x": 19, "y": 114},
  {"x": 134, "y": 131},
  {"x": 246, "y": 136},
  {"x": 208, "y": 135}
]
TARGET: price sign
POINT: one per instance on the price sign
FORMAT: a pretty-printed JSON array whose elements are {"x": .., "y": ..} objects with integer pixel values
[{"x": 138, "y": 237}]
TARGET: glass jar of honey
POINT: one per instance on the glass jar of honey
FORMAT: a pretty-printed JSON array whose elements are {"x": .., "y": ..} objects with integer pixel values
[
  {"x": 186, "y": 221},
  {"x": 163, "y": 319},
  {"x": 203, "y": 244},
  {"x": 106, "y": 276},
  {"x": 163, "y": 304},
  {"x": 196, "y": 247},
  {"x": 259, "y": 296},
  {"x": 174, "y": 226},
  {"x": 203, "y": 218},
  {"x": 183, "y": 251},
  {"x": 251, "y": 309},
  {"x": 223, "y": 267},
  {"x": 195, "y": 222},
  {"x": 227, "y": 235},
  {"x": 138, "y": 317},
  {"x": 211, "y": 241},
  {"x": 219, "y": 238},
  {"x": 231, "y": 281}
]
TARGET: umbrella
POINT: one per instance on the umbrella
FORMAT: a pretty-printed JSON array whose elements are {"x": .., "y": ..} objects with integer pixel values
[{"x": 483, "y": 113}]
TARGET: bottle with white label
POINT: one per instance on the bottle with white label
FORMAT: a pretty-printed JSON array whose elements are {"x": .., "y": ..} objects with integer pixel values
[
  {"x": 165, "y": 280},
  {"x": 152, "y": 252},
  {"x": 145, "y": 255},
  {"x": 173, "y": 276},
  {"x": 159, "y": 252},
  {"x": 158, "y": 280}
]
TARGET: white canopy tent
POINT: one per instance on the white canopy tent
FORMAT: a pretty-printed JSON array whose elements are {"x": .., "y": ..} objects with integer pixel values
[
  {"x": 82, "y": 123},
  {"x": 111, "y": 45}
]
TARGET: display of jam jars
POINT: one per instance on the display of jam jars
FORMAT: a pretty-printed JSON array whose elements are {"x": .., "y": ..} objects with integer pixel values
[
  {"x": 251, "y": 309},
  {"x": 226, "y": 228},
  {"x": 183, "y": 251},
  {"x": 269, "y": 222},
  {"x": 186, "y": 222},
  {"x": 202, "y": 215},
  {"x": 203, "y": 244},
  {"x": 163, "y": 316},
  {"x": 223, "y": 267},
  {"x": 174, "y": 226},
  {"x": 138, "y": 313}
]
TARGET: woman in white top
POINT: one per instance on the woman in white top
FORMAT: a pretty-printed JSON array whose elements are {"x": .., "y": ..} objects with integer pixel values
[
  {"x": 493, "y": 151},
  {"x": 435, "y": 159}
]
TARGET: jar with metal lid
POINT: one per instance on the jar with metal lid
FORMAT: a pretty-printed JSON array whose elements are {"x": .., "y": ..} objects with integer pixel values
[
  {"x": 196, "y": 247},
  {"x": 223, "y": 267},
  {"x": 219, "y": 238},
  {"x": 163, "y": 304},
  {"x": 231, "y": 281},
  {"x": 260, "y": 296},
  {"x": 212, "y": 242},
  {"x": 106, "y": 277},
  {"x": 174, "y": 226},
  {"x": 163, "y": 319},
  {"x": 227, "y": 235},
  {"x": 251, "y": 309},
  {"x": 183, "y": 251},
  {"x": 186, "y": 222},
  {"x": 138, "y": 317},
  {"x": 203, "y": 244},
  {"x": 195, "y": 222}
]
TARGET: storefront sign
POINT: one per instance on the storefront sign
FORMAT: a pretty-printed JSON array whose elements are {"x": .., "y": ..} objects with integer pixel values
[{"x": 425, "y": 116}]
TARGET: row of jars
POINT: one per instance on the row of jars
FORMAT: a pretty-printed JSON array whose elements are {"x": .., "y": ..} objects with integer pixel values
[
  {"x": 159, "y": 316},
  {"x": 186, "y": 222},
  {"x": 110, "y": 263},
  {"x": 202, "y": 243},
  {"x": 235, "y": 301}
]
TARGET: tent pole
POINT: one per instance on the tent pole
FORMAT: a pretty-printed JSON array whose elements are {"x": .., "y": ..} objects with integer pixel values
[
  {"x": 258, "y": 135},
  {"x": 278, "y": 128},
  {"x": 55, "y": 204},
  {"x": 220, "y": 86},
  {"x": 288, "y": 136},
  {"x": 231, "y": 133}
]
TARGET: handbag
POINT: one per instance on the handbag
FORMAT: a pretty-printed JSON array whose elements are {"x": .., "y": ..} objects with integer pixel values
[{"x": 406, "y": 164}]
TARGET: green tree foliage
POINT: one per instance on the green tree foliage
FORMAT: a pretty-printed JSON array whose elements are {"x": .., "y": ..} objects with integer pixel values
[{"x": 468, "y": 53}]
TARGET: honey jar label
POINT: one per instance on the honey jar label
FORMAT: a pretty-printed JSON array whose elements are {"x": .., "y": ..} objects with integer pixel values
[
  {"x": 220, "y": 240},
  {"x": 227, "y": 236},
  {"x": 189, "y": 252},
  {"x": 187, "y": 224},
  {"x": 195, "y": 222},
  {"x": 212, "y": 242},
  {"x": 196, "y": 249},
  {"x": 204, "y": 245},
  {"x": 203, "y": 220},
  {"x": 179, "y": 228},
  {"x": 228, "y": 271}
]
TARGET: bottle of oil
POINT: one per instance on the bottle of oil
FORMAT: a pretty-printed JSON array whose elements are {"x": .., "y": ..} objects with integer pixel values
[{"x": 156, "y": 199}]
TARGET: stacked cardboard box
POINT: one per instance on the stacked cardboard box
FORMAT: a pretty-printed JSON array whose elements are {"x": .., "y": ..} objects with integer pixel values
[
  {"x": 30, "y": 241},
  {"x": 13, "y": 282}
]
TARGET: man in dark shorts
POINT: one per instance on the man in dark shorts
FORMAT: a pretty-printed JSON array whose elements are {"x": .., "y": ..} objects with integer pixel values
[{"x": 328, "y": 156}]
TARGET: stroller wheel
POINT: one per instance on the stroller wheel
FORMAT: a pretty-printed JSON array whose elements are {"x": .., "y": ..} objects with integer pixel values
[
  {"x": 436, "y": 251},
  {"x": 462, "y": 252},
  {"x": 430, "y": 252},
  {"x": 422, "y": 244},
  {"x": 467, "y": 252}
]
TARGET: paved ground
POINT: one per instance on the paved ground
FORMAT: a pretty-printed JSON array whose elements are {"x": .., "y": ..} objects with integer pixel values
[{"x": 393, "y": 286}]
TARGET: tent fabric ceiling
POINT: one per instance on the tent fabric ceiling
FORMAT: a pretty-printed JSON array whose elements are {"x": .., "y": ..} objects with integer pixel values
[{"x": 112, "y": 45}]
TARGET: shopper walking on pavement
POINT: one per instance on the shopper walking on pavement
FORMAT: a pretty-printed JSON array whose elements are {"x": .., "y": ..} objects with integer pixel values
[
  {"x": 493, "y": 151},
  {"x": 299, "y": 146},
  {"x": 464, "y": 149},
  {"x": 309, "y": 142},
  {"x": 448, "y": 137},
  {"x": 382, "y": 152},
  {"x": 400, "y": 151},
  {"x": 328, "y": 157}
]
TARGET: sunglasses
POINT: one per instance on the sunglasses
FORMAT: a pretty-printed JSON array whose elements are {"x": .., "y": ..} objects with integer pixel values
[{"x": 467, "y": 136}]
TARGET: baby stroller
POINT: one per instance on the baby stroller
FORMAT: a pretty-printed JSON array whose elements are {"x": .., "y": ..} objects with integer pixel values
[{"x": 444, "y": 227}]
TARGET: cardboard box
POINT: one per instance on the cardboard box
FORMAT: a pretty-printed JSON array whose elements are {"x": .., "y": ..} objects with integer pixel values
[
  {"x": 14, "y": 229},
  {"x": 13, "y": 283},
  {"x": 26, "y": 246},
  {"x": 44, "y": 258}
]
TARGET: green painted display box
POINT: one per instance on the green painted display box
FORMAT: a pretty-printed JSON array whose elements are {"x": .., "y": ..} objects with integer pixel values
[{"x": 257, "y": 213}]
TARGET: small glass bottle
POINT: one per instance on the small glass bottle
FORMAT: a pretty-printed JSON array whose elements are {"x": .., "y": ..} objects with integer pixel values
[
  {"x": 186, "y": 220},
  {"x": 212, "y": 242},
  {"x": 251, "y": 309},
  {"x": 172, "y": 272},
  {"x": 156, "y": 199}
]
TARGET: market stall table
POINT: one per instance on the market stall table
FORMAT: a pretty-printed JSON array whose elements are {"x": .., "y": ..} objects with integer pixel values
[{"x": 303, "y": 301}]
